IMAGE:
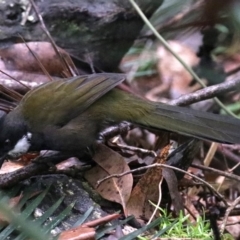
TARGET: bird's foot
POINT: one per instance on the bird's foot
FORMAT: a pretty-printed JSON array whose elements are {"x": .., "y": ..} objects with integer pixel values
[{"x": 110, "y": 132}]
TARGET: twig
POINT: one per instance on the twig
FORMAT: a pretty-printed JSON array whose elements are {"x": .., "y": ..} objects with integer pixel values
[
  {"x": 234, "y": 167},
  {"x": 206, "y": 93},
  {"x": 167, "y": 46},
  {"x": 228, "y": 211},
  {"x": 26, "y": 15},
  {"x": 229, "y": 154},
  {"x": 10, "y": 93},
  {"x": 222, "y": 173},
  {"x": 136, "y": 149},
  {"x": 166, "y": 166},
  {"x": 8, "y": 83},
  {"x": 50, "y": 38},
  {"x": 42, "y": 165},
  {"x": 210, "y": 154},
  {"x": 38, "y": 60},
  {"x": 18, "y": 81},
  {"x": 159, "y": 201}
]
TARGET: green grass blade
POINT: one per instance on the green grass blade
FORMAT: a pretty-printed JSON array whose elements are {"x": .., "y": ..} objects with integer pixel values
[
  {"x": 101, "y": 233},
  {"x": 43, "y": 218},
  {"x": 84, "y": 217},
  {"x": 19, "y": 222},
  {"x": 11, "y": 227},
  {"x": 59, "y": 218}
]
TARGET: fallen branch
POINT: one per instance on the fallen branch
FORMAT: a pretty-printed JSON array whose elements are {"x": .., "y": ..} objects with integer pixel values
[{"x": 206, "y": 93}]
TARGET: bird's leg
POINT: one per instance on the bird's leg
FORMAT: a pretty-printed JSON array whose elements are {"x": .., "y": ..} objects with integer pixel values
[{"x": 110, "y": 132}]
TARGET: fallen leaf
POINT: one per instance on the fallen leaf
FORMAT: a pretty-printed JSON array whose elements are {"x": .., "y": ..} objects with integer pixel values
[
  {"x": 175, "y": 77},
  {"x": 19, "y": 57},
  {"x": 10, "y": 166},
  {"x": 110, "y": 162},
  {"x": 147, "y": 189}
]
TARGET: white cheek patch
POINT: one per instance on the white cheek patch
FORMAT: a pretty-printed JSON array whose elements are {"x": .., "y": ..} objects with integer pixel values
[{"x": 21, "y": 146}]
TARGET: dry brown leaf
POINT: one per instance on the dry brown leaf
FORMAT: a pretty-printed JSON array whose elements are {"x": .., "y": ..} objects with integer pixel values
[
  {"x": 10, "y": 166},
  {"x": 78, "y": 233},
  {"x": 147, "y": 189},
  {"x": 110, "y": 162},
  {"x": 19, "y": 57},
  {"x": 174, "y": 76}
]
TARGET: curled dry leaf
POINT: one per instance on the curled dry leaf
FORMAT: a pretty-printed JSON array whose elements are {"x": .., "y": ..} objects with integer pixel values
[
  {"x": 110, "y": 162},
  {"x": 147, "y": 189}
]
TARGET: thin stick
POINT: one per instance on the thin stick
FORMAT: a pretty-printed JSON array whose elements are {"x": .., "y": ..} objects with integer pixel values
[
  {"x": 166, "y": 166},
  {"x": 228, "y": 211},
  {"x": 167, "y": 46},
  {"x": 208, "y": 92},
  {"x": 50, "y": 38},
  {"x": 222, "y": 173}
]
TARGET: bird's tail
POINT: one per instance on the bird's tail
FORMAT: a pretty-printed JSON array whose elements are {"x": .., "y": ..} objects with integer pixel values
[{"x": 186, "y": 121}]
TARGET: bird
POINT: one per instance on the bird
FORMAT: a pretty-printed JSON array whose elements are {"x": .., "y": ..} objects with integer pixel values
[{"x": 67, "y": 115}]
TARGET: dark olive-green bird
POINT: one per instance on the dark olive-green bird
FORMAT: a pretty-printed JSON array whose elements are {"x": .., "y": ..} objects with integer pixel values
[{"x": 67, "y": 115}]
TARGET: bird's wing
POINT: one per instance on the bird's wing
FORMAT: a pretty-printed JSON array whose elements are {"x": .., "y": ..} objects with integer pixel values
[{"x": 59, "y": 101}]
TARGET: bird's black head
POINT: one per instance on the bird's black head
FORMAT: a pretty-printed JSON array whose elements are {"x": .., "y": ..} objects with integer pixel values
[{"x": 15, "y": 140}]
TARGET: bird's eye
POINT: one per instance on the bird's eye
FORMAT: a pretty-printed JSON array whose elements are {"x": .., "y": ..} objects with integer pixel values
[{"x": 7, "y": 143}]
